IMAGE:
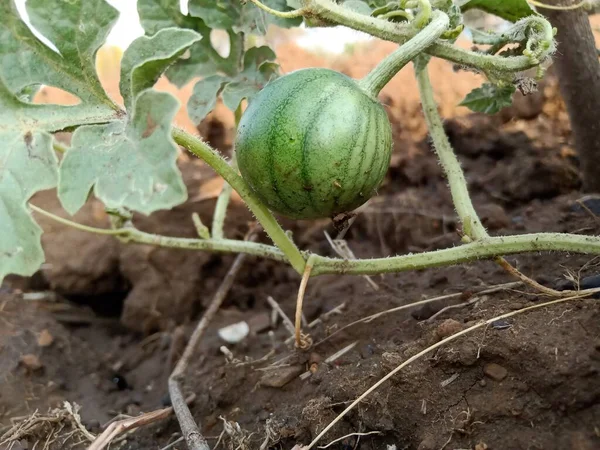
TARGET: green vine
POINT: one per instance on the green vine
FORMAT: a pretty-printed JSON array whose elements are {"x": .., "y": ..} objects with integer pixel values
[
  {"x": 421, "y": 34},
  {"x": 203, "y": 151}
]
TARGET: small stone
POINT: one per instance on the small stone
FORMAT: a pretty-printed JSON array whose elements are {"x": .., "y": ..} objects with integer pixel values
[
  {"x": 482, "y": 382},
  {"x": 589, "y": 202},
  {"x": 481, "y": 446},
  {"x": 45, "y": 339},
  {"x": 447, "y": 328},
  {"x": 495, "y": 371},
  {"x": 501, "y": 324},
  {"x": 281, "y": 377},
  {"x": 31, "y": 362},
  {"x": 234, "y": 333}
]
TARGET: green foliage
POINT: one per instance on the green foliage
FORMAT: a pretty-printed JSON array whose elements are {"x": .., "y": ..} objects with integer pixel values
[
  {"x": 358, "y": 6},
  {"x": 203, "y": 59},
  {"x": 134, "y": 158},
  {"x": 27, "y": 165},
  {"x": 129, "y": 163},
  {"x": 147, "y": 58},
  {"x": 258, "y": 70},
  {"x": 241, "y": 18},
  {"x": 27, "y": 161},
  {"x": 127, "y": 157},
  {"x": 511, "y": 10},
  {"x": 489, "y": 98}
]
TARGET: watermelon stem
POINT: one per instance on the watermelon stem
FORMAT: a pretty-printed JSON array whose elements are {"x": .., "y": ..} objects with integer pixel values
[
  {"x": 393, "y": 63},
  {"x": 536, "y": 30},
  {"x": 203, "y": 151},
  {"x": 472, "y": 226}
]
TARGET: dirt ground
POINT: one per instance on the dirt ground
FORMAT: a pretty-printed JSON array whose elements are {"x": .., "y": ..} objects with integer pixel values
[{"x": 102, "y": 323}]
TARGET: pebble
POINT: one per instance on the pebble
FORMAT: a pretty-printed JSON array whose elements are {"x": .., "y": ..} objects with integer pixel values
[
  {"x": 495, "y": 371},
  {"x": 234, "y": 333},
  {"x": 592, "y": 202},
  {"x": 590, "y": 282},
  {"x": 447, "y": 328},
  {"x": 45, "y": 339},
  {"x": 31, "y": 362},
  {"x": 501, "y": 324},
  {"x": 281, "y": 377}
]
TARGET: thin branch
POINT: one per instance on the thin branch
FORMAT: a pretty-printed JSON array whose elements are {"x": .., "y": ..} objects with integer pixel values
[
  {"x": 302, "y": 341},
  {"x": 472, "y": 226},
  {"x": 225, "y": 195},
  {"x": 491, "y": 64},
  {"x": 283, "y": 14},
  {"x": 387, "y": 68},
  {"x": 482, "y": 249},
  {"x": 471, "y": 223},
  {"x": 122, "y": 426},
  {"x": 131, "y": 234},
  {"x": 485, "y": 248},
  {"x": 490, "y": 290},
  {"x": 435, "y": 346},
  {"x": 349, "y": 435},
  {"x": 530, "y": 281}
]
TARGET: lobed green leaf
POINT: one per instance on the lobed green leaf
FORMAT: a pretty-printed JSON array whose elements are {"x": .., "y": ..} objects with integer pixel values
[
  {"x": 128, "y": 164},
  {"x": 203, "y": 60},
  {"x": 27, "y": 165},
  {"x": 26, "y": 61},
  {"x": 489, "y": 98},
  {"x": 258, "y": 69},
  {"x": 146, "y": 59}
]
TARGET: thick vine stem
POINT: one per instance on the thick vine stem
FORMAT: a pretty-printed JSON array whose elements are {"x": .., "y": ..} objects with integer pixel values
[
  {"x": 489, "y": 247},
  {"x": 202, "y": 150},
  {"x": 393, "y": 63},
  {"x": 134, "y": 235},
  {"x": 485, "y": 248},
  {"x": 400, "y": 33},
  {"x": 472, "y": 226},
  {"x": 471, "y": 223}
]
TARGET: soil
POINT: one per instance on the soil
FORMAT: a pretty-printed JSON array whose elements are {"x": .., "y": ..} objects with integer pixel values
[{"x": 102, "y": 323}]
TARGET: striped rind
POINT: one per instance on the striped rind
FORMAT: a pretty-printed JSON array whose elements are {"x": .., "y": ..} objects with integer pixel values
[{"x": 312, "y": 144}]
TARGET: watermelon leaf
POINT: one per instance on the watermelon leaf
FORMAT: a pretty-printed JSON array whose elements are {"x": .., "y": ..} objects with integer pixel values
[{"x": 489, "y": 98}]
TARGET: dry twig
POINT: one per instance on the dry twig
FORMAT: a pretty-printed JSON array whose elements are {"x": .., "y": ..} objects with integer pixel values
[
  {"x": 122, "y": 426},
  {"x": 302, "y": 341},
  {"x": 189, "y": 428},
  {"x": 490, "y": 290}
]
